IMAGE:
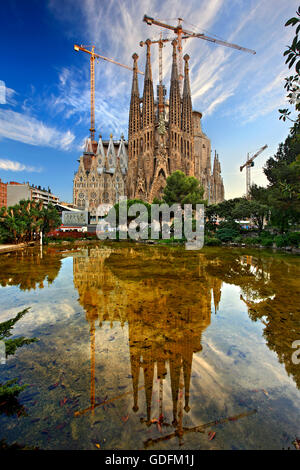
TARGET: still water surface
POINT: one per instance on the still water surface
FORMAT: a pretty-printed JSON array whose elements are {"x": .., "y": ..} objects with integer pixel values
[{"x": 151, "y": 347}]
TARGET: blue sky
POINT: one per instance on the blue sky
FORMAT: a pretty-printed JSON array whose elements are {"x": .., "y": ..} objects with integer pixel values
[{"x": 46, "y": 116}]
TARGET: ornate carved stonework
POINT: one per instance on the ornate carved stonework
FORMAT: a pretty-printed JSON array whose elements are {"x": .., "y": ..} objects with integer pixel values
[
  {"x": 165, "y": 136},
  {"x": 101, "y": 175}
]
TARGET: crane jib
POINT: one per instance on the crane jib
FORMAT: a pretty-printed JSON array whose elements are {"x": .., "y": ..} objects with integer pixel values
[{"x": 189, "y": 34}]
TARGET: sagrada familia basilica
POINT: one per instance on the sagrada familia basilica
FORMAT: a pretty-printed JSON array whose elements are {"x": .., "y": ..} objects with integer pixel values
[{"x": 163, "y": 136}]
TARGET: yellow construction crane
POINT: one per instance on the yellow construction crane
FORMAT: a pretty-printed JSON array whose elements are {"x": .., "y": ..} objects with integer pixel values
[
  {"x": 248, "y": 164},
  {"x": 160, "y": 43},
  {"x": 161, "y": 89},
  {"x": 93, "y": 56},
  {"x": 185, "y": 34}
]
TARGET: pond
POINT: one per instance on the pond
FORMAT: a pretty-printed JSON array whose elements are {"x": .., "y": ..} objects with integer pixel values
[{"x": 152, "y": 347}]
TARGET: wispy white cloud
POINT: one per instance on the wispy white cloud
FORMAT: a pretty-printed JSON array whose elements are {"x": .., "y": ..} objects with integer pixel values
[
  {"x": 220, "y": 99},
  {"x": 217, "y": 73},
  {"x": 10, "y": 165},
  {"x": 29, "y": 130},
  {"x": 7, "y": 94},
  {"x": 267, "y": 99},
  {"x": 243, "y": 75},
  {"x": 116, "y": 28}
]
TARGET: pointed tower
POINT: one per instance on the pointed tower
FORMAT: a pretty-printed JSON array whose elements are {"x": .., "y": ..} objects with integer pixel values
[
  {"x": 122, "y": 156},
  {"x": 187, "y": 372},
  {"x": 187, "y": 123},
  {"x": 134, "y": 128},
  {"x": 134, "y": 110},
  {"x": 175, "y": 366},
  {"x": 175, "y": 139},
  {"x": 111, "y": 159},
  {"x": 217, "y": 182},
  {"x": 88, "y": 148},
  {"x": 148, "y": 368},
  {"x": 148, "y": 122},
  {"x": 135, "y": 354},
  {"x": 216, "y": 287},
  {"x": 220, "y": 185},
  {"x": 166, "y": 135},
  {"x": 148, "y": 94},
  {"x": 100, "y": 154}
]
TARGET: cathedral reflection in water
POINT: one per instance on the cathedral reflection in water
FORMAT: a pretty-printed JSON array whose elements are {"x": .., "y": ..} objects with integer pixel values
[{"x": 164, "y": 329}]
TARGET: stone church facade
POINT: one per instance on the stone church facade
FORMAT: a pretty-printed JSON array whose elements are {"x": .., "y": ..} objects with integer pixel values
[
  {"x": 163, "y": 136},
  {"x": 209, "y": 177},
  {"x": 101, "y": 175}
]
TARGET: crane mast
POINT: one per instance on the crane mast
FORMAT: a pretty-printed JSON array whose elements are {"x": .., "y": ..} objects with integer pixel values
[
  {"x": 185, "y": 34},
  {"x": 160, "y": 62},
  {"x": 93, "y": 56},
  {"x": 92, "y": 79},
  {"x": 248, "y": 164},
  {"x": 160, "y": 43}
]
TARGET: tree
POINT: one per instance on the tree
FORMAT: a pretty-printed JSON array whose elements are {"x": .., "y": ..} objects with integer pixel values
[
  {"x": 251, "y": 209},
  {"x": 211, "y": 216},
  {"x": 259, "y": 193},
  {"x": 283, "y": 192},
  {"x": 129, "y": 203},
  {"x": 22, "y": 222},
  {"x": 183, "y": 189},
  {"x": 283, "y": 173},
  {"x": 278, "y": 168},
  {"x": 50, "y": 219},
  {"x": 224, "y": 209},
  {"x": 10, "y": 390},
  {"x": 292, "y": 83}
]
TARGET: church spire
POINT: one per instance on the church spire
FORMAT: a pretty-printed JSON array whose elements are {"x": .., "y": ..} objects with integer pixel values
[
  {"x": 186, "y": 123},
  {"x": 134, "y": 111},
  {"x": 100, "y": 156},
  {"x": 148, "y": 71},
  {"x": 187, "y": 372},
  {"x": 186, "y": 88},
  {"x": 148, "y": 95},
  {"x": 175, "y": 100},
  {"x": 175, "y": 366},
  {"x": 217, "y": 166},
  {"x": 148, "y": 381},
  {"x": 135, "y": 372},
  {"x": 135, "y": 83},
  {"x": 111, "y": 159},
  {"x": 174, "y": 73}
]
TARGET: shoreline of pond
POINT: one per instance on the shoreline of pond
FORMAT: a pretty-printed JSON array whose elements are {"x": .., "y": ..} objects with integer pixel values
[{"x": 6, "y": 249}]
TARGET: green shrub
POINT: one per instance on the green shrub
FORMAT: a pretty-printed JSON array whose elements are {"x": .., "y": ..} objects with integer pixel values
[
  {"x": 293, "y": 238},
  {"x": 212, "y": 241},
  {"x": 265, "y": 234},
  {"x": 227, "y": 234},
  {"x": 252, "y": 240},
  {"x": 210, "y": 234},
  {"x": 229, "y": 224},
  {"x": 281, "y": 240},
  {"x": 266, "y": 241},
  {"x": 168, "y": 241}
]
